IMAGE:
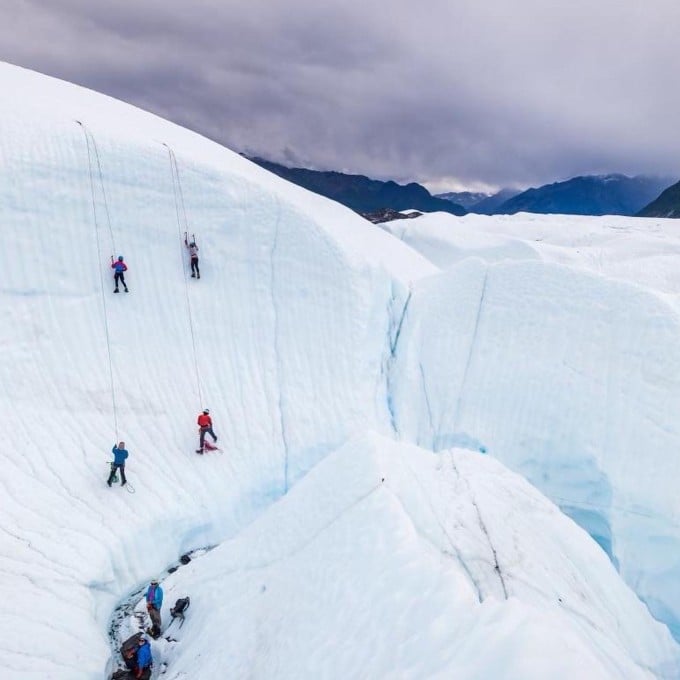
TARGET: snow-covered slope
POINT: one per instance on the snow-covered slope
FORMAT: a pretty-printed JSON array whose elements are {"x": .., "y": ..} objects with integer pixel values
[
  {"x": 290, "y": 323},
  {"x": 555, "y": 344},
  {"x": 389, "y": 562},
  {"x": 296, "y": 338}
]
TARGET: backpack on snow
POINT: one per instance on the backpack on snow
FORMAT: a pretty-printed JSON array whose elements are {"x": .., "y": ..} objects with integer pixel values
[
  {"x": 181, "y": 605},
  {"x": 120, "y": 674}
]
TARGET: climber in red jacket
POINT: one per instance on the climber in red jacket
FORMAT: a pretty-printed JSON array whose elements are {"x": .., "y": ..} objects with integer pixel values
[{"x": 205, "y": 426}]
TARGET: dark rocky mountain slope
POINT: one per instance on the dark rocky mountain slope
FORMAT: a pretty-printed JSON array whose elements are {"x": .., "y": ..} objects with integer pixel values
[
  {"x": 589, "y": 195},
  {"x": 362, "y": 194},
  {"x": 666, "y": 205}
]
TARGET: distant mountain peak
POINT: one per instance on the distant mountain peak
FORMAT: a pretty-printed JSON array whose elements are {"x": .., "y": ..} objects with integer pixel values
[
  {"x": 480, "y": 202},
  {"x": 609, "y": 194}
]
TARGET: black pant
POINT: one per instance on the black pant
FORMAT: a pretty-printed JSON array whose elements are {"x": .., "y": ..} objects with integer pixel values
[
  {"x": 194, "y": 267},
  {"x": 114, "y": 468},
  {"x": 209, "y": 430},
  {"x": 116, "y": 277}
]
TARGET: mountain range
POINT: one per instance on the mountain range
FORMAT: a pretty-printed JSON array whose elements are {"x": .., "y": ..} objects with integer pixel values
[
  {"x": 479, "y": 202},
  {"x": 612, "y": 194},
  {"x": 468, "y": 199},
  {"x": 589, "y": 195},
  {"x": 362, "y": 194}
]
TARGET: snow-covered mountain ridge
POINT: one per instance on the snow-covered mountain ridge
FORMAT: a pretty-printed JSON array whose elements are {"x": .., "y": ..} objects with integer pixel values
[{"x": 310, "y": 328}]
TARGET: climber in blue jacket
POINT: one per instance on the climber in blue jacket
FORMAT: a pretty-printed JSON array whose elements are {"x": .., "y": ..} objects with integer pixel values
[
  {"x": 119, "y": 455},
  {"x": 144, "y": 660},
  {"x": 154, "y": 602}
]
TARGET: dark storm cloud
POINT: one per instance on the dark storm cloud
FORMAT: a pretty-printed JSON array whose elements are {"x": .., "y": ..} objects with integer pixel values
[{"x": 444, "y": 92}]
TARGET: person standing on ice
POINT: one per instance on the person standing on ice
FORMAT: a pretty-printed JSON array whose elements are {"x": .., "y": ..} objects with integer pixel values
[
  {"x": 205, "y": 427},
  {"x": 119, "y": 456},
  {"x": 144, "y": 660},
  {"x": 193, "y": 254},
  {"x": 154, "y": 602},
  {"x": 120, "y": 268}
]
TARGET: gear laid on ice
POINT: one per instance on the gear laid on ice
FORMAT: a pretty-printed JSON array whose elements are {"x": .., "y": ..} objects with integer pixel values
[
  {"x": 178, "y": 611},
  {"x": 208, "y": 447}
]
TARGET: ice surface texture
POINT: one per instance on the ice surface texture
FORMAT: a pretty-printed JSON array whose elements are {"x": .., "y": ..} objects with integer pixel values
[{"x": 566, "y": 365}]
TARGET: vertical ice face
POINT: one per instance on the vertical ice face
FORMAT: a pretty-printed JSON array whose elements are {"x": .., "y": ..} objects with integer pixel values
[
  {"x": 290, "y": 319},
  {"x": 568, "y": 374}
]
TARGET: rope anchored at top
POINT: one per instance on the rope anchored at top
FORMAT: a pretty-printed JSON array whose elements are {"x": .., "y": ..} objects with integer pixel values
[
  {"x": 88, "y": 137},
  {"x": 183, "y": 227}
]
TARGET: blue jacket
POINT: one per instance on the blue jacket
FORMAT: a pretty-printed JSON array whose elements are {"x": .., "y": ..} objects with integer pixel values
[
  {"x": 154, "y": 596},
  {"x": 144, "y": 658},
  {"x": 119, "y": 455}
]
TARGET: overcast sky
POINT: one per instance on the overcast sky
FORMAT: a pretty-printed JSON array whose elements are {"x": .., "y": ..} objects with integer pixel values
[{"x": 450, "y": 93}]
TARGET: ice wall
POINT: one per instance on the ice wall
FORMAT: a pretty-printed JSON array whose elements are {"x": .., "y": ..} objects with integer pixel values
[
  {"x": 290, "y": 320},
  {"x": 568, "y": 374}
]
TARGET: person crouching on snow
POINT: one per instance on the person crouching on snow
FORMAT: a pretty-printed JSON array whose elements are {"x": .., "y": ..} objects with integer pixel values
[{"x": 144, "y": 660}]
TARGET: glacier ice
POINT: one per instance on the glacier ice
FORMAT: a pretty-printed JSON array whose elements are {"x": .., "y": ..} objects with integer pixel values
[
  {"x": 566, "y": 366},
  {"x": 313, "y": 328}
]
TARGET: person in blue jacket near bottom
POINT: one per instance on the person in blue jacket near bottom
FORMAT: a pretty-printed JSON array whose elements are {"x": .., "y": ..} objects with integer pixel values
[
  {"x": 119, "y": 456},
  {"x": 154, "y": 602},
  {"x": 144, "y": 660}
]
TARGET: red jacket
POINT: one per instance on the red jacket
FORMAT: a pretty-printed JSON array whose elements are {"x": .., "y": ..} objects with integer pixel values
[{"x": 204, "y": 420}]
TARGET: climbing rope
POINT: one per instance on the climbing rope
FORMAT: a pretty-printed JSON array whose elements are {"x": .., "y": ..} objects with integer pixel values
[
  {"x": 99, "y": 257},
  {"x": 183, "y": 226}
]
